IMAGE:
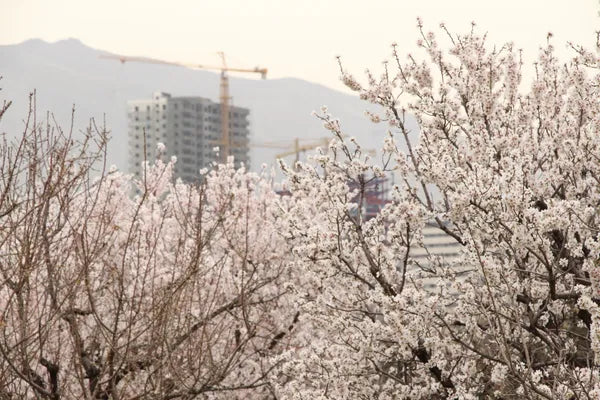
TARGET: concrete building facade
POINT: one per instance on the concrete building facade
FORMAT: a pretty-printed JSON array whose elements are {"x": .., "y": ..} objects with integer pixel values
[
  {"x": 189, "y": 127},
  {"x": 440, "y": 246}
]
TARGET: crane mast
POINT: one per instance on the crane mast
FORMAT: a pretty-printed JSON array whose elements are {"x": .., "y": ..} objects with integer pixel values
[
  {"x": 225, "y": 136},
  {"x": 224, "y": 96}
]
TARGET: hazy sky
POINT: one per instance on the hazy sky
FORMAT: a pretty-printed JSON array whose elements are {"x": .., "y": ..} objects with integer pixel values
[{"x": 297, "y": 38}]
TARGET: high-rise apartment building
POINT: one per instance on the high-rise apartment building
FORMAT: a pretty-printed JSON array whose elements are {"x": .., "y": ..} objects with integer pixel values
[{"x": 190, "y": 128}]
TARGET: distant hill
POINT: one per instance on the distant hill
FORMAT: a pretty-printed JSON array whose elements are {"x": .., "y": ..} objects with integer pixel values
[{"x": 68, "y": 72}]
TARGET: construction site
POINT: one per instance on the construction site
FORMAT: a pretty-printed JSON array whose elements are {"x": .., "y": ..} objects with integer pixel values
[{"x": 200, "y": 132}]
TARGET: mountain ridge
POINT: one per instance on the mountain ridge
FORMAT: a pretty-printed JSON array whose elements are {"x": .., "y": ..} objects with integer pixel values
[{"x": 68, "y": 72}]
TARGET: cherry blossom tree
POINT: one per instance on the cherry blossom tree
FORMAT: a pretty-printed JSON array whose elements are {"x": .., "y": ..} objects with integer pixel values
[
  {"x": 117, "y": 288},
  {"x": 113, "y": 288},
  {"x": 511, "y": 172}
]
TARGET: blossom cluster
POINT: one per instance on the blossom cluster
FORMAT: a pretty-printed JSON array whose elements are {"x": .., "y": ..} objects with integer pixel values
[{"x": 512, "y": 175}]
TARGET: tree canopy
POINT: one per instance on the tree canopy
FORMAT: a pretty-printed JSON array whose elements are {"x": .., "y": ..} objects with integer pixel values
[{"x": 239, "y": 287}]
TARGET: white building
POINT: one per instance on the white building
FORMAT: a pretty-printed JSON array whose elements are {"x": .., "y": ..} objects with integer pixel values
[
  {"x": 438, "y": 246},
  {"x": 190, "y": 128},
  {"x": 436, "y": 243}
]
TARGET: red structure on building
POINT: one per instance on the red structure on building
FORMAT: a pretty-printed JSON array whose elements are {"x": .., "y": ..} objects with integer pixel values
[{"x": 372, "y": 197}]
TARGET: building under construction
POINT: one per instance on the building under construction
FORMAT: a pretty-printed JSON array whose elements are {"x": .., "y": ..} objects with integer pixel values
[
  {"x": 373, "y": 196},
  {"x": 189, "y": 127}
]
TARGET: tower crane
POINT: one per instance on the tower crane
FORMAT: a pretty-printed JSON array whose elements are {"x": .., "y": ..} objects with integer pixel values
[
  {"x": 225, "y": 141},
  {"x": 292, "y": 146},
  {"x": 296, "y": 147}
]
